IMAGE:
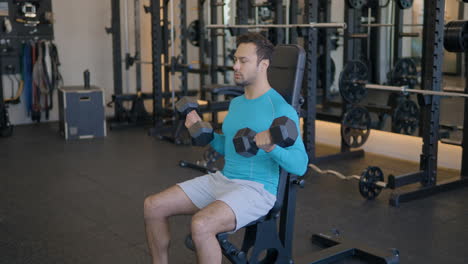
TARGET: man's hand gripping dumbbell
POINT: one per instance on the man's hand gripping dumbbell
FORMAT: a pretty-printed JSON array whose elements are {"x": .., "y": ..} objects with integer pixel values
[
  {"x": 282, "y": 132},
  {"x": 200, "y": 131}
]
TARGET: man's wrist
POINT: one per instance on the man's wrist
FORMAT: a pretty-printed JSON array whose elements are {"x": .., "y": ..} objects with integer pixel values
[{"x": 271, "y": 148}]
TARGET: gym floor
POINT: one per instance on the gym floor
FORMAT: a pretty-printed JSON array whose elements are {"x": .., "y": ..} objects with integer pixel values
[{"x": 82, "y": 202}]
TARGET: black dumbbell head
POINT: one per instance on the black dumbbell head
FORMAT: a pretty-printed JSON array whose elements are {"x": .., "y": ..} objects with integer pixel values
[
  {"x": 186, "y": 105},
  {"x": 244, "y": 142},
  {"x": 201, "y": 133},
  {"x": 283, "y": 132}
]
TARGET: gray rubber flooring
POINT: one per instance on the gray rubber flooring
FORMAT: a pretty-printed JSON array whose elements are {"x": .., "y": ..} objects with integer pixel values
[{"x": 82, "y": 202}]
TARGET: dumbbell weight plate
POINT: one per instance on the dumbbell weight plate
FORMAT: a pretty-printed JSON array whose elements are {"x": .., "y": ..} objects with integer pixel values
[
  {"x": 201, "y": 133},
  {"x": 186, "y": 105},
  {"x": 283, "y": 132},
  {"x": 244, "y": 143}
]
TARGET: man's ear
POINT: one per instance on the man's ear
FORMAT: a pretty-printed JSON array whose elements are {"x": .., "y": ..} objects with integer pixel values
[{"x": 264, "y": 64}]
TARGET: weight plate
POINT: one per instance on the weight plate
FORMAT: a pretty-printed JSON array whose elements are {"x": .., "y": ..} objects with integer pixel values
[
  {"x": 357, "y": 4},
  {"x": 352, "y": 82},
  {"x": 405, "y": 73},
  {"x": 405, "y": 118},
  {"x": 355, "y": 127},
  {"x": 404, "y": 4},
  {"x": 193, "y": 33},
  {"x": 456, "y": 36},
  {"x": 367, "y": 183}
]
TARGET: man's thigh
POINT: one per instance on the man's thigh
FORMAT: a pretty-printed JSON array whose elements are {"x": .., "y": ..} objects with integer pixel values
[
  {"x": 201, "y": 190},
  {"x": 172, "y": 201},
  {"x": 249, "y": 201},
  {"x": 218, "y": 216}
]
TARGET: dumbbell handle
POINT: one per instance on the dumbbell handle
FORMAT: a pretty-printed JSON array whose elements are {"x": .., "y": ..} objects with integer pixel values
[
  {"x": 282, "y": 132},
  {"x": 269, "y": 134},
  {"x": 200, "y": 120}
]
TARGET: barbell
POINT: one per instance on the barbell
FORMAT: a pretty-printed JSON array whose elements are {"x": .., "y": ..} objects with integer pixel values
[
  {"x": 353, "y": 84},
  {"x": 358, "y": 4},
  {"x": 371, "y": 180},
  {"x": 310, "y": 25},
  {"x": 389, "y": 25}
]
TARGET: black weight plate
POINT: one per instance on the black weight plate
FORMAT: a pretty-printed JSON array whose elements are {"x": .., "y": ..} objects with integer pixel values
[
  {"x": 456, "y": 36},
  {"x": 405, "y": 119},
  {"x": 352, "y": 82},
  {"x": 355, "y": 127},
  {"x": 367, "y": 182},
  {"x": 357, "y": 4},
  {"x": 193, "y": 33},
  {"x": 404, "y": 4},
  {"x": 405, "y": 73}
]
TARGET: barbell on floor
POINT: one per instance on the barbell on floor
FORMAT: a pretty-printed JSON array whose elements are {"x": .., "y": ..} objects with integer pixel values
[{"x": 371, "y": 180}]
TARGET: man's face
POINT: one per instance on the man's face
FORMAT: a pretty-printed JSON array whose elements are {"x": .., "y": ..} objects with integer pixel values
[{"x": 245, "y": 64}]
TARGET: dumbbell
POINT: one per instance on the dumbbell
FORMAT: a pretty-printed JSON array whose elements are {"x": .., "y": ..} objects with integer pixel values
[
  {"x": 283, "y": 132},
  {"x": 201, "y": 132}
]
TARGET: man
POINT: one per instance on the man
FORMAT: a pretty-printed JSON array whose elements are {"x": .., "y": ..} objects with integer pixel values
[{"x": 246, "y": 188}]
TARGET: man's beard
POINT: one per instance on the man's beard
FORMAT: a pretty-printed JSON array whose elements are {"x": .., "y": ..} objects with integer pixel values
[
  {"x": 245, "y": 82},
  {"x": 242, "y": 83}
]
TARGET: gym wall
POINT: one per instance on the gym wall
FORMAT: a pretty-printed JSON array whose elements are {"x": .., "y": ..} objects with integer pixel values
[{"x": 82, "y": 44}]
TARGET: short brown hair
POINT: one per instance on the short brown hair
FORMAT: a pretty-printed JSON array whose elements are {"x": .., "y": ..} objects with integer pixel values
[{"x": 264, "y": 47}]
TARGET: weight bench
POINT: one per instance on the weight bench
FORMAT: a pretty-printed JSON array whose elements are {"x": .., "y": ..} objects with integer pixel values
[{"x": 285, "y": 75}]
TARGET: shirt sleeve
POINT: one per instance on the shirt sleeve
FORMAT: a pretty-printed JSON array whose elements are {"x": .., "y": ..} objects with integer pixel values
[
  {"x": 293, "y": 159},
  {"x": 218, "y": 143}
]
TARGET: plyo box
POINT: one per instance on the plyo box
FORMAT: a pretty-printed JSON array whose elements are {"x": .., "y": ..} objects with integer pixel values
[{"x": 81, "y": 112}]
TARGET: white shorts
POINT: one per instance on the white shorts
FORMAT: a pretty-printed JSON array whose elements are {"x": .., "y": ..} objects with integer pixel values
[{"x": 248, "y": 199}]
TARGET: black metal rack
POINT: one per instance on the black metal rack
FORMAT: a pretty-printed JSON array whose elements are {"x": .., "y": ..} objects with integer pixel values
[
  {"x": 433, "y": 33},
  {"x": 137, "y": 114},
  {"x": 351, "y": 47},
  {"x": 6, "y": 128}
]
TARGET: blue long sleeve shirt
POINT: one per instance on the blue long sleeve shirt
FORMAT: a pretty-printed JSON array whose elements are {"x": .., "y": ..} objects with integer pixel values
[{"x": 258, "y": 114}]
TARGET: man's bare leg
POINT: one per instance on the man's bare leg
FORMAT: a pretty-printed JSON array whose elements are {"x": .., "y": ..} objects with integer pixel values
[
  {"x": 158, "y": 208},
  {"x": 216, "y": 218}
]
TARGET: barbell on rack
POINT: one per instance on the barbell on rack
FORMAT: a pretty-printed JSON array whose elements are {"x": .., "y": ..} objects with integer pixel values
[
  {"x": 389, "y": 25},
  {"x": 310, "y": 25},
  {"x": 353, "y": 84},
  {"x": 358, "y": 4}
]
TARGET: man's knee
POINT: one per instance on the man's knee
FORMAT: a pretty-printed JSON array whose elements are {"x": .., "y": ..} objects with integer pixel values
[
  {"x": 200, "y": 227},
  {"x": 154, "y": 207}
]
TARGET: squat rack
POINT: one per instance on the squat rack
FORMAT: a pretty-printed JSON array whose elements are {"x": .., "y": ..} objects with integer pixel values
[{"x": 433, "y": 33}]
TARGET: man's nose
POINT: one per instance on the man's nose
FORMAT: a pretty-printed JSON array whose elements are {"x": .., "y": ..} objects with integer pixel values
[{"x": 236, "y": 66}]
